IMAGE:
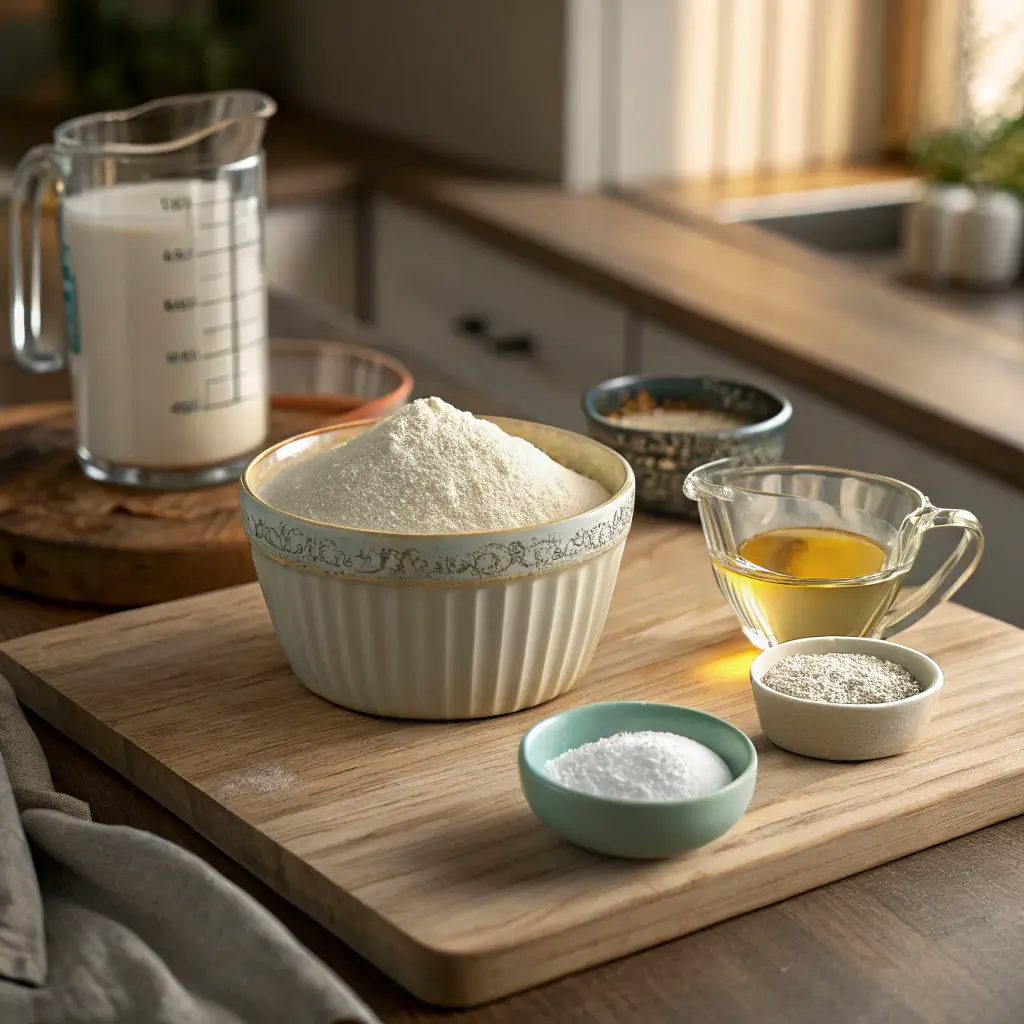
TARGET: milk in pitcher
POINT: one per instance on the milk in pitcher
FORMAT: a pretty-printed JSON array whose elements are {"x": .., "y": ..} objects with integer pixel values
[{"x": 166, "y": 308}]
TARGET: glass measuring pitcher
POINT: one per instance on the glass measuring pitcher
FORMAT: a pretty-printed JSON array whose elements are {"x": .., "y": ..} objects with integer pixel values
[
  {"x": 160, "y": 212},
  {"x": 803, "y": 551}
]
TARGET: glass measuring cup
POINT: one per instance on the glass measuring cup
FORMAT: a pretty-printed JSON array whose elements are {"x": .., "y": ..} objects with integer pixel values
[
  {"x": 160, "y": 212},
  {"x": 803, "y": 551}
]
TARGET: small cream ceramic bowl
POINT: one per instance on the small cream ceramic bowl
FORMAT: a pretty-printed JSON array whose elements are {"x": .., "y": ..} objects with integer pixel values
[
  {"x": 440, "y": 626},
  {"x": 845, "y": 732}
]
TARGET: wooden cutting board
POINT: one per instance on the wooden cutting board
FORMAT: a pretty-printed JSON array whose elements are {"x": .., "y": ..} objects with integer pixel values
[
  {"x": 67, "y": 538},
  {"x": 412, "y": 841}
]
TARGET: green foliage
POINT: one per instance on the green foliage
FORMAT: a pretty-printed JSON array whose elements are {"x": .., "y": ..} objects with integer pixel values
[
  {"x": 990, "y": 155},
  {"x": 116, "y": 60},
  {"x": 1002, "y": 163},
  {"x": 944, "y": 156}
]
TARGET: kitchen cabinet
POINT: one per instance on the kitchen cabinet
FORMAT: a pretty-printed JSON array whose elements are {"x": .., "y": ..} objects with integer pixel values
[
  {"x": 310, "y": 252},
  {"x": 532, "y": 342},
  {"x": 507, "y": 83},
  {"x": 825, "y": 434}
]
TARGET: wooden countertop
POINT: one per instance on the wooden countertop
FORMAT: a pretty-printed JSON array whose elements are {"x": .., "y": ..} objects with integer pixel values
[
  {"x": 910, "y": 941},
  {"x": 839, "y": 330},
  {"x": 702, "y": 194},
  {"x": 703, "y": 204},
  {"x": 808, "y": 318}
]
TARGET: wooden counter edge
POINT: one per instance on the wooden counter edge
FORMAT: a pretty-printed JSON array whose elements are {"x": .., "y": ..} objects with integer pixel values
[
  {"x": 342, "y": 160},
  {"x": 945, "y": 434}
]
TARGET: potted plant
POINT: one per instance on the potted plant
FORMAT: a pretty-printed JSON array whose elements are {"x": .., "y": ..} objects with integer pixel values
[
  {"x": 968, "y": 227},
  {"x": 119, "y": 53}
]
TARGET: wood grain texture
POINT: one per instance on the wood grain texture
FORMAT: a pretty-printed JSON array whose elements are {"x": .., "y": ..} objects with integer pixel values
[
  {"x": 935, "y": 937},
  {"x": 701, "y": 195},
  {"x": 817, "y": 321},
  {"x": 67, "y": 538},
  {"x": 439, "y": 874},
  {"x": 21, "y": 615},
  {"x": 699, "y": 205}
]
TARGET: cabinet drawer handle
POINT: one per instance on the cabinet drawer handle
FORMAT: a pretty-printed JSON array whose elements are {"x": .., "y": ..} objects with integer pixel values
[{"x": 478, "y": 328}]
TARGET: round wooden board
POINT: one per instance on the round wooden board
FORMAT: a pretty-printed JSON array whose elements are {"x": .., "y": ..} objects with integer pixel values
[{"x": 67, "y": 538}]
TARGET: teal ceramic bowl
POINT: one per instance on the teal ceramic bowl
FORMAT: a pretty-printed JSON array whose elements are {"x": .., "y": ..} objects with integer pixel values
[{"x": 647, "y": 830}]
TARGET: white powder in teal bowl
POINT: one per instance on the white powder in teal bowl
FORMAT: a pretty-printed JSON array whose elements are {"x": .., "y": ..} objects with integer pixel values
[{"x": 641, "y": 766}]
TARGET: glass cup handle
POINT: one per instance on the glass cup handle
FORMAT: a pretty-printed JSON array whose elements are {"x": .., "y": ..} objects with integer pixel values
[
  {"x": 35, "y": 168},
  {"x": 949, "y": 578}
]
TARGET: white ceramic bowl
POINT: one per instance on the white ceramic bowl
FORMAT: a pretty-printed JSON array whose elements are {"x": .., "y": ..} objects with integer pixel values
[
  {"x": 440, "y": 626},
  {"x": 845, "y": 732}
]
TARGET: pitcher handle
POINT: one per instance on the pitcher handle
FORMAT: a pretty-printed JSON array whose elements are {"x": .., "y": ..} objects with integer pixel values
[
  {"x": 952, "y": 575},
  {"x": 26, "y": 319}
]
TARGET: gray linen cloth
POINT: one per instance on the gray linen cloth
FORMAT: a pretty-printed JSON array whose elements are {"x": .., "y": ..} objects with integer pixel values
[{"x": 102, "y": 924}]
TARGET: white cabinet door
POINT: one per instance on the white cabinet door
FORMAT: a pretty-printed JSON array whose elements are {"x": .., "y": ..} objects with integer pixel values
[
  {"x": 430, "y": 279},
  {"x": 310, "y": 252},
  {"x": 824, "y": 434}
]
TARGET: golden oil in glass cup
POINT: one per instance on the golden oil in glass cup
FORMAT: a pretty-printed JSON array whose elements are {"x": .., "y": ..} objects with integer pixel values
[{"x": 801, "y": 551}]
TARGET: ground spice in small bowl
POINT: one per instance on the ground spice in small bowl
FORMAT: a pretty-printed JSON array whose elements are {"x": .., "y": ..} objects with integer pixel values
[
  {"x": 836, "y": 678},
  {"x": 643, "y": 412}
]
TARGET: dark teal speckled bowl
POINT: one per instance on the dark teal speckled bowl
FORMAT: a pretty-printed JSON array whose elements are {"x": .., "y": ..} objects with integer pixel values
[{"x": 661, "y": 460}]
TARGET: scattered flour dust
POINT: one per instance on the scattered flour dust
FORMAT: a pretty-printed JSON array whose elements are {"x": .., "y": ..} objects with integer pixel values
[
  {"x": 432, "y": 469},
  {"x": 264, "y": 778}
]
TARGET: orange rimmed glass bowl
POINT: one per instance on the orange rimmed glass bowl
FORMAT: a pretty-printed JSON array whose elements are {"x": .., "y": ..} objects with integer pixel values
[{"x": 344, "y": 381}]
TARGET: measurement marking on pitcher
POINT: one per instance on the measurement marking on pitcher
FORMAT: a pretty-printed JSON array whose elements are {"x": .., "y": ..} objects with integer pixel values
[
  {"x": 232, "y": 382},
  {"x": 255, "y": 343},
  {"x": 236, "y": 356},
  {"x": 223, "y": 372},
  {"x": 230, "y": 401},
  {"x": 227, "y": 326},
  {"x": 191, "y": 355},
  {"x": 227, "y": 248},
  {"x": 189, "y": 406},
  {"x": 233, "y": 297},
  {"x": 172, "y": 204},
  {"x": 185, "y": 355}
]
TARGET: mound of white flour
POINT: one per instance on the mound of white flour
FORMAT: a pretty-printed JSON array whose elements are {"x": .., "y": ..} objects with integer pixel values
[{"x": 431, "y": 468}]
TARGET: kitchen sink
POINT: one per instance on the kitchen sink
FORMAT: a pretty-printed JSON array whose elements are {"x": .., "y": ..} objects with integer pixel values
[
  {"x": 853, "y": 219},
  {"x": 860, "y": 225}
]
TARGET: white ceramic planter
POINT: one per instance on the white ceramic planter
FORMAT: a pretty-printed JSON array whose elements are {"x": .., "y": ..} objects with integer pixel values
[
  {"x": 931, "y": 230},
  {"x": 440, "y": 627},
  {"x": 960, "y": 236},
  {"x": 988, "y": 247}
]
